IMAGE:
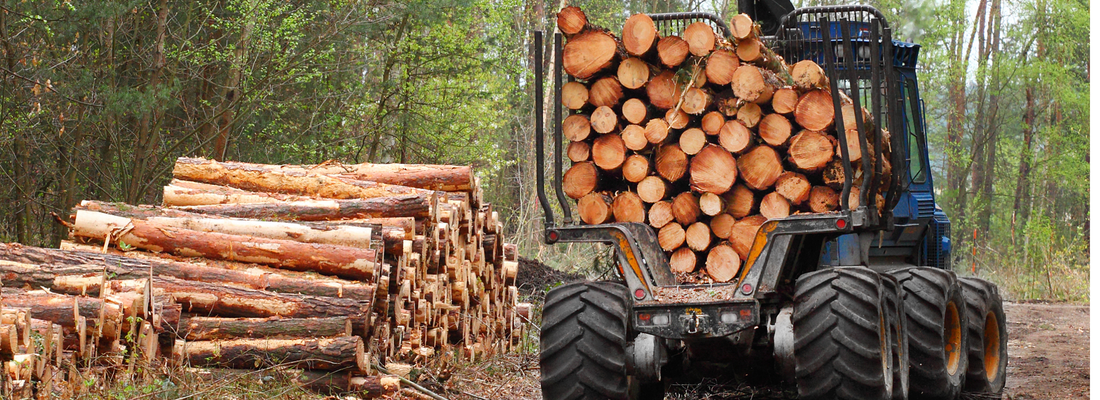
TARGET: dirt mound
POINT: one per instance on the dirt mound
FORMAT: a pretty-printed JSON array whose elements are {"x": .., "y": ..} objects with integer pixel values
[{"x": 534, "y": 278}]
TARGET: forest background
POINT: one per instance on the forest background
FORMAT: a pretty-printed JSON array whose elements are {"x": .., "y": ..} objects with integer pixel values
[{"x": 98, "y": 98}]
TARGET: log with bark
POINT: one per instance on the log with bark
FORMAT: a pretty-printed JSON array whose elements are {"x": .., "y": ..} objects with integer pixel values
[
  {"x": 450, "y": 178},
  {"x": 218, "y": 328},
  {"x": 315, "y": 354}
]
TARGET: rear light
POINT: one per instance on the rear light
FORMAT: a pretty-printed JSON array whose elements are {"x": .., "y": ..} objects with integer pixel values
[
  {"x": 746, "y": 288},
  {"x": 841, "y": 224},
  {"x": 654, "y": 319},
  {"x": 639, "y": 293}
]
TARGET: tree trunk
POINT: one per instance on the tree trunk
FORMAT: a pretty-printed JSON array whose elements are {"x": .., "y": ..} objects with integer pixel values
[
  {"x": 794, "y": 187},
  {"x": 261, "y": 178},
  {"x": 594, "y": 208},
  {"x": 660, "y": 214},
  {"x": 571, "y": 20},
  {"x": 723, "y": 263},
  {"x": 685, "y": 208},
  {"x": 588, "y": 53},
  {"x": 775, "y": 129},
  {"x": 322, "y": 210},
  {"x": 740, "y": 201},
  {"x": 38, "y": 267},
  {"x": 639, "y": 35},
  {"x": 671, "y": 162},
  {"x": 754, "y": 84},
  {"x": 774, "y": 206},
  {"x": 682, "y": 261},
  {"x": 700, "y": 38},
  {"x": 633, "y": 73},
  {"x": 712, "y": 123},
  {"x": 677, "y": 118},
  {"x": 217, "y": 328},
  {"x": 744, "y": 233},
  {"x": 749, "y": 115},
  {"x": 734, "y": 136},
  {"x": 609, "y": 152},
  {"x": 810, "y": 151},
  {"x": 711, "y": 204},
  {"x": 672, "y": 51},
  {"x": 784, "y": 101},
  {"x": 636, "y": 168},
  {"x": 713, "y": 170},
  {"x": 671, "y": 236},
  {"x": 697, "y": 236},
  {"x": 449, "y": 178},
  {"x": 604, "y": 120},
  {"x": 656, "y": 131},
  {"x": 696, "y": 101},
  {"x": 580, "y": 179},
  {"x": 59, "y": 309},
  {"x": 574, "y": 95},
  {"x": 576, "y": 127},
  {"x": 635, "y": 111},
  {"x": 315, "y": 354},
  {"x": 721, "y": 225},
  {"x": 815, "y": 110},
  {"x": 824, "y": 199},
  {"x": 662, "y": 91},
  {"x": 187, "y": 193},
  {"x": 345, "y": 382},
  {"x": 760, "y": 167},
  {"x": 628, "y": 207},
  {"x": 343, "y": 261},
  {"x": 809, "y": 76},
  {"x": 578, "y": 152},
  {"x": 607, "y": 91},
  {"x": 721, "y": 65},
  {"x": 1020, "y": 207},
  {"x": 692, "y": 141}
]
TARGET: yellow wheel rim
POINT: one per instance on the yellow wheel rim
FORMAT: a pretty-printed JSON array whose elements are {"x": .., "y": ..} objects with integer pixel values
[{"x": 992, "y": 346}]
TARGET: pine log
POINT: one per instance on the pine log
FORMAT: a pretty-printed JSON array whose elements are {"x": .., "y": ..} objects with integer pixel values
[
  {"x": 660, "y": 214},
  {"x": 723, "y": 262},
  {"x": 628, "y": 207},
  {"x": 711, "y": 204},
  {"x": 594, "y": 208},
  {"x": 712, "y": 122},
  {"x": 734, "y": 136},
  {"x": 416, "y": 206},
  {"x": 607, "y": 91},
  {"x": 635, "y": 111},
  {"x": 353, "y": 236},
  {"x": 639, "y": 35},
  {"x": 721, "y": 225},
  {"x": 751, "y": 50},
  {"x": 672, "y": 51},
  {"x": 580, "y": 179},
  {"x": 671, "y": 236},
  {"x": 248, "y": 177},
  {"x": 760, "y": 167},
  {"x": 824, "y": 199},
  {"x": 217, "y": 328},
  {"x": 233, "y": 301},
  {"x": 677, "y": 118},
  {"x": 335, "y": 383},
  {"x": 64, "y": 310},
  {"x": 744, "y": 233},
  {"x": 713, "y": 170},
  {"x": 633, "y": 137},
  {"x": 663, "y": 91},
  {"x": 741, "y": 26},
  {"x": 571, "y": 20},
  {"x": 848, "y": 111},
  {"x": 697, "y": 236},
  {"x": 343, "y": 261},
  {"x": 754, "y": 84},
  {"x": 576, "y": 127},
  {"x": 609, "y": 152},
  {"x": 775, "y": 129},
  {"x": 685, "y": 208},
  {"x": 774, "y": 206},
  {"x": 721, "y": 65},
  {"x": 636, "y": 168},
  {"x": 809, "y": 76},
  {"x": 696, "y": 101},
  {"x": 700, "y": 38},
  {"x": 692, "y": 141},
  {"x": 740, "y": 201},
  {"x": 852, "y": 140},
  {"x": 794, "y": 187},
  {"x": 749, "y": 115},
  {"x": 588, "y": 53},
  {"x": 578, "y": 152},
  {"x": 315, "y": 354},
  {"x": 784, "y": 101},
  {"x": 449, "y": 178},
  {"x": 815, "y": 110},
  {"x": 671, "y": 162},
  {"x": 604, "y": 119},
  {"x": 656, "y": 131},
  {"x": 810, "y": 151},
  {"x": 187, "y": 193},
  {"x": 44, "y": 267},
  {"x": 682, "y": 261},
  {"x": 574, "y": 95}
]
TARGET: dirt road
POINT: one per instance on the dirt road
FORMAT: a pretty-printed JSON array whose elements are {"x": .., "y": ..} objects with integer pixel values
[{"x": 1048, "y": 352}]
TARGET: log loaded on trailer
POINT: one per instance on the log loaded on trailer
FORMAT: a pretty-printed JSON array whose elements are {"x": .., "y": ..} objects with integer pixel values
[{"x": 766, "y": 188}]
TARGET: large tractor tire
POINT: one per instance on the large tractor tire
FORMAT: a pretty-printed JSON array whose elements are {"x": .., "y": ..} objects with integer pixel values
[
  {"x": 900, "y": 331},
  {"x": 583, "y": 341},
  {"x": 936, "y": 321},
  {"x": 988, "y": 336},
  {"x": 842, "y": 345}
]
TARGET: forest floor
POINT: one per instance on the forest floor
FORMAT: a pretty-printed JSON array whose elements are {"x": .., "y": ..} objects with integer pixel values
[{"x": 1048, "y": 352}]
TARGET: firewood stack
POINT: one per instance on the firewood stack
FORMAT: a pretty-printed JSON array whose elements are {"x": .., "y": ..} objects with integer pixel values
[
  {"x": 323, "y": 269},
  {"x": 702, "y": 138}
]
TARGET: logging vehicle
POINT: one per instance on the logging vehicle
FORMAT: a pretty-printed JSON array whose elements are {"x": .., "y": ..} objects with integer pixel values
[{"x": 855, "y": 303}]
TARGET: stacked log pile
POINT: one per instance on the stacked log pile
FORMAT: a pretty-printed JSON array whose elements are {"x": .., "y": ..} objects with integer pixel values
[
  {"x": 321, "y": 269},
  {"x": 702, "y": 137}
]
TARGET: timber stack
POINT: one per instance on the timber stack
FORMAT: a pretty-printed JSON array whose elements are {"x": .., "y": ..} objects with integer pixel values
[
  {"x": 702, "y": 137},
  {"x": 323, "y": 270}
]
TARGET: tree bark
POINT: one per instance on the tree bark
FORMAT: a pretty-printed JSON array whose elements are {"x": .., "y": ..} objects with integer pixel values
[
  {"x": 187, "y": 193},
  {"x": 315, "y": 354},
  {"x": 322, "y": 210},
  {"x": 449, "y": 178},
  {"x": 217, "y": 328},
  {"x": 346, "y": 262}
]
